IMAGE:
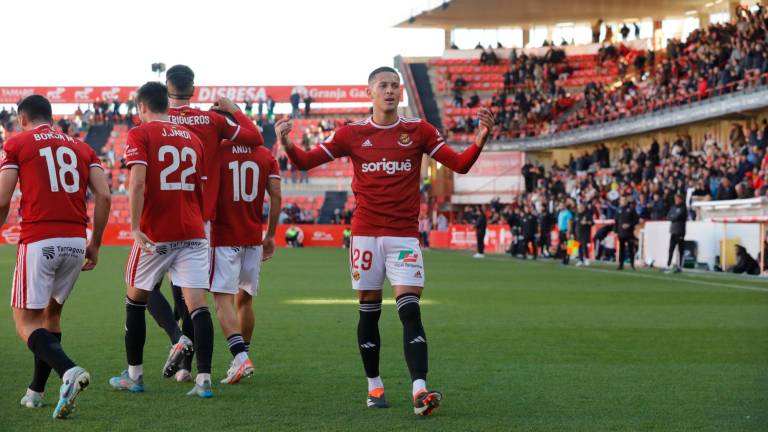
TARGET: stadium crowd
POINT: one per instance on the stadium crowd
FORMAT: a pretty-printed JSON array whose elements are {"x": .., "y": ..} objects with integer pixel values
[{"x": 718, "y": 59}]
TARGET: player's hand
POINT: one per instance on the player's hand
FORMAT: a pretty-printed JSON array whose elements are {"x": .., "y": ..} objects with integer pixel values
[
  {"x": 143, "y": 241},
  {"x": 487, "y": 121},
  {"x": 268, "y": 246},
  {"x": 91, "y": 257},
  {"x": 226, "y": 105},
  {"x": 283, "y": 127}
]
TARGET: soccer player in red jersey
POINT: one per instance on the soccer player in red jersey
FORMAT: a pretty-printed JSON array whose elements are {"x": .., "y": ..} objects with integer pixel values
[
  {"x": 53, "y": 171},
  {"x": 166, "y": 201},
  {"x": 212, "y": 128},
  {"x": 238, "y": 247},
  {"x": 386, "y": 152}
]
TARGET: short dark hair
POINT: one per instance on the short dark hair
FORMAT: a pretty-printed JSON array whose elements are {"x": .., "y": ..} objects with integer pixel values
[
  {"x": 36, "y": 108},
  {"x": 379, "y": 70},
  {"x": 182, "y": 79},
  {"x": 155, "y": 95}
]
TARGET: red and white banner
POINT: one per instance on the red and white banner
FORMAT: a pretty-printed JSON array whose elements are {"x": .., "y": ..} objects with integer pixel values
[
  {"x": 203, "y": 94},
  {"x": 120, "y": 234},
  {"x": 497, "y": 238}
]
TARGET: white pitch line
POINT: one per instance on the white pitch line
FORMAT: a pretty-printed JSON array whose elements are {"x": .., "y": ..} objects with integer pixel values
[
  {"x": 337, "y": 301},
  {"x": 647, "y": 276}
]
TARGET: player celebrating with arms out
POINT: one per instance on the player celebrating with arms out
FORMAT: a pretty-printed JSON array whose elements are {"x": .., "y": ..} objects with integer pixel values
[
  {"x": 238, "y": 248},
  {"x": 53, "y": 170},
  {"x": 386, "y": 152},
  {"x": 166, "y": 201}
]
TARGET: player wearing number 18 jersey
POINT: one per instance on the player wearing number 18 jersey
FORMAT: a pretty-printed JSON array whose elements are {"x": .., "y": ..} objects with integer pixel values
[
  {"x": 54, "y": 171},
  {"x": 238, "y": 248},
  {"x": 386, "y": 152},
  {"x": 166, "y": 203}
]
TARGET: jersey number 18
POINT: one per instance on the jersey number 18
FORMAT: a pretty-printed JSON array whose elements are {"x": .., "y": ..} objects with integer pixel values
[{"x": 66, "y": 159}]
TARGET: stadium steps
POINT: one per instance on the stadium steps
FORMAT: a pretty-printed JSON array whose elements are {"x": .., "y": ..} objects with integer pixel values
[
  {"x": 98, "y": 136},
  {"x": 420, "y": 74},
  {"x": 333, "y": 200}
]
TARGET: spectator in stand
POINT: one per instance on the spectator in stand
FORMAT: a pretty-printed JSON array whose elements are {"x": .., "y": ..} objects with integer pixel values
[
  {"x": 583, "y": 221},
  {"x": 295, "y": 101},
  {"x": 442, "y": 222},
  {"x": 270, "y": 109},
  {"x": 626, "y": 221},
  {"x": 565, "y": 230},
  {"x": 678, "y": 215},
  {"x": 725, "y": 191},
  {"x": 529, "y": 230},
  {"x": 480, "y": 226},
  {"x": 624, "y": 32},
  {"x": 425, "y": 226},
  {"x": 307, "y": 103}
]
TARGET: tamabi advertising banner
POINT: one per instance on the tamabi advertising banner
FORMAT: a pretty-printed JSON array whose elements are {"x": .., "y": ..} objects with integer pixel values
[
  {"x": 120, "y": 234},
  {"x": 203, "y": 94}
]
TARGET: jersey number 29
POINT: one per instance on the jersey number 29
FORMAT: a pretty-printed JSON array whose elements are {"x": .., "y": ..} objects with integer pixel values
[
  {"x": 66, "y": 159},
  {"x": 239, "y": 180}
]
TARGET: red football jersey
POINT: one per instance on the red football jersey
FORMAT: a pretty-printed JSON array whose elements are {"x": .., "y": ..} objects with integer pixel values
[
  {"x": 211, "y": 128},
  {"x": 244, "y": 173},
  {"x": 54, "y": 171},
  {"x": 173, "y": 197},
  {"x": 387, "y": 172}
]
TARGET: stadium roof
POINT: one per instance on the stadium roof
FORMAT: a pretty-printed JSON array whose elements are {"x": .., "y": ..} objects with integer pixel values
[{"x": 506, "y": 13}]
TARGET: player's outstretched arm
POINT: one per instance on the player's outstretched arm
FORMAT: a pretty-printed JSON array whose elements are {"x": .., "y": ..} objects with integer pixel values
[
  {"x": 8, "y": 180},
  {"x": 462, "y": 162},
  {"x": 248, "y": 134},
  {"x": 102, "y": 200},
  {"x": 275, "y": 204},
  {"x": 303, "y": 160},
  {"x": 136, "y": 198}
]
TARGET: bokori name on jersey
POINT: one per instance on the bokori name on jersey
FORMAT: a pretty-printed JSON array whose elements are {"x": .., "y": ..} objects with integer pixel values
[{"x": 43, "y": 136}]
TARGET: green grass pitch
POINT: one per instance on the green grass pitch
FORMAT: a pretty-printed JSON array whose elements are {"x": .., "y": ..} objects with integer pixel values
[{"x": 514, "y": 345}]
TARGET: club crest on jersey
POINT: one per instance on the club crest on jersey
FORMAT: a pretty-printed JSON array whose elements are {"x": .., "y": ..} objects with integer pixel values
[
  {"x": 407, "y": 256},
  {"x": 404, "y": 140}
]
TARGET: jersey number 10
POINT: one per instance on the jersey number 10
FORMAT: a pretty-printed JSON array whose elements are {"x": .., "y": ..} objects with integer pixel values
[
  {"x": 67, "y": 162},
  {"x": 239, "y": 180}
]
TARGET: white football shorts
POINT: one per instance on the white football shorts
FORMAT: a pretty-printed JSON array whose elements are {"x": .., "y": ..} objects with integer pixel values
[
  {"x": 185, "y": 260},
  {"x": 397, "y": 258},
  {"x": 46, "y": 269},
  {"x": 236, "y": 268}
]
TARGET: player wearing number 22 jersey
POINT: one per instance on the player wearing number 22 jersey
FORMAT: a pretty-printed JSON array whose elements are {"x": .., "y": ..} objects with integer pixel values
[
  {"x": 386, "y": 157},
  {"x": 166, "y": 200}
]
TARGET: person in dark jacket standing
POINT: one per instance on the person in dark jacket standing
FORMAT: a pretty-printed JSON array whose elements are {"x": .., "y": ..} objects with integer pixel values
[
  {"x": 677, "y": 216},
  {"x": 583, "y": 222},
  {"x": 545, "y": 231},
  {"x": 530, "y": 227},
  {"x": 480, "y": 224},
  {"x": 626, "y": 221}
]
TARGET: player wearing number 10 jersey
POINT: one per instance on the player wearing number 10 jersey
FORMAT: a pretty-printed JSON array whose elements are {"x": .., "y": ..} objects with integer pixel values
[
  {"x": 166, "y": 202},
  {"x": 238, "y": 247},
  {"x": 386, "y": 152},
  {"x": 54, "y": 171}
]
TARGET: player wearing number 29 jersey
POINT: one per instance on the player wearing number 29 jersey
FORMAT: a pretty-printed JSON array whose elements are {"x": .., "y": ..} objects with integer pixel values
[{"x": 386, "y": 152}]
